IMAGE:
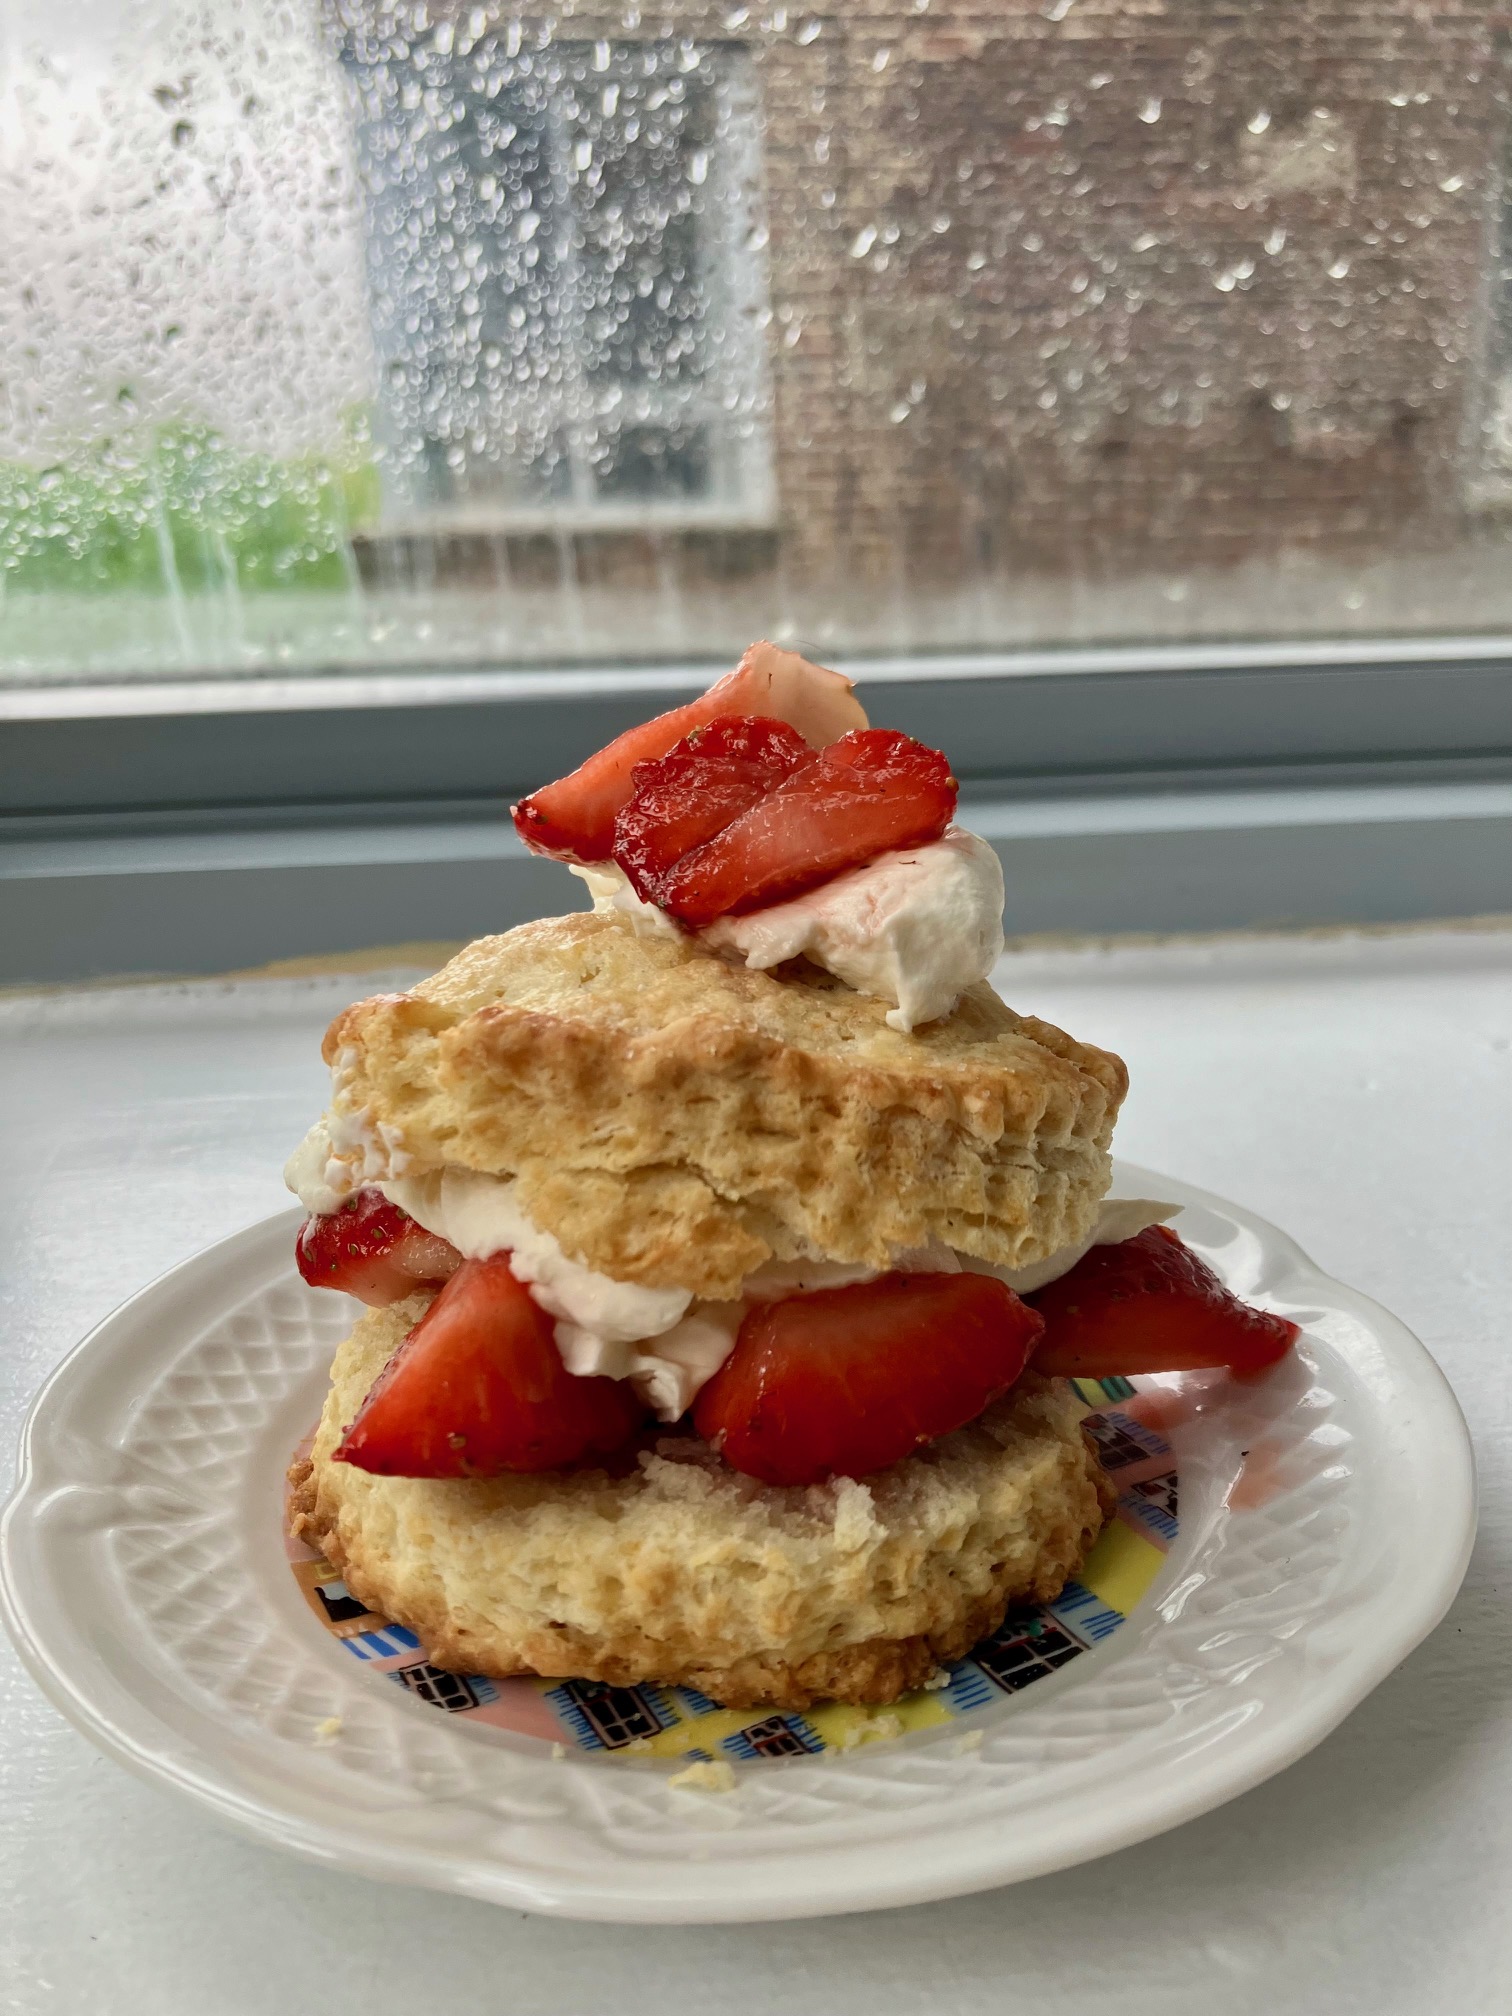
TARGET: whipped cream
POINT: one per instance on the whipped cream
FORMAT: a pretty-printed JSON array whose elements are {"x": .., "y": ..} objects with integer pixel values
[
  {"x": 915, "y": 927},
  {"x": 595, "y": 1314},
  {"x": 603, "y": 1326},
  {"x": 665, "y": 1342},
  {"x": 344, "y": 1151},
  {"x": 609, "y": 886}
]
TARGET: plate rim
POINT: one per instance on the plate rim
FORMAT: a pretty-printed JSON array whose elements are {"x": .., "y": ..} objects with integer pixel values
[{"x": 814, "y": 1880}]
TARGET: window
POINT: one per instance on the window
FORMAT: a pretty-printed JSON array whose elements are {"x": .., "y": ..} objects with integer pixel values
[
  {"x": 399, "y": 397},
  {"x": 426, "y": 334},
  {"x": 567, "y": 282}
]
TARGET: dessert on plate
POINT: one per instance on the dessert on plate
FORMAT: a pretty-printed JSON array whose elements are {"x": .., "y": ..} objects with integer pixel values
[{"x": 729, "y": 1245}]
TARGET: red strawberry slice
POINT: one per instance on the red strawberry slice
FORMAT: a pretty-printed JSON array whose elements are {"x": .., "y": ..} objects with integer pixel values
[
  {"x": 868, "y": 792},
  {"x": 478, "y": 1388},
  {"x": 1149, "y": 1304},
  {"x": 573, "y": 819},
  {"x": 373, "y": 1250},
  {"x": 849, "y": 1380},
  {"x": 698, "y": 788}
]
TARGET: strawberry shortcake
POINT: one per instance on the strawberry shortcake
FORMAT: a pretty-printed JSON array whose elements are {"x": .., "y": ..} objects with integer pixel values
[{"x": 728, "y": 1245}]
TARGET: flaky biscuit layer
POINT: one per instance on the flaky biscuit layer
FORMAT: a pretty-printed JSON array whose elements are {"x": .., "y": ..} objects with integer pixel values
[
  {"x": 676, "y": 1121},
  {"x": 683, "y": 1571}
]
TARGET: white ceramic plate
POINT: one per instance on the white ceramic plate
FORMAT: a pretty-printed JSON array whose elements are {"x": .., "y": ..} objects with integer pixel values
[{"x": 1327, "y": 1514}]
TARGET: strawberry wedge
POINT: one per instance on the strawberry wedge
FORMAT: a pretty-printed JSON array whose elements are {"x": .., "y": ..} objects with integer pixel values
[
  {"x": 478, "y": 1389},
  {"x": 698, "y": 788},
  {"x": 868, "y": 793},
  {"x": 1149, "y": 1304},
  {"x": 573, "y": 819},
  {"x": 373, "y": 1250},
  {"x": 849, "y": 1380}
]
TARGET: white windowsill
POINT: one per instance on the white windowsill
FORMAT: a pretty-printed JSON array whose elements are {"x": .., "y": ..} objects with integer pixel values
[{"x": 525, "y": 520}]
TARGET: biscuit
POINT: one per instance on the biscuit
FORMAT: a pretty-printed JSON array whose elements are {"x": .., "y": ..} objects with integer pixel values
[
  {"x": 676, "y": 1121},
  {"x": 679, "y": 1570}
]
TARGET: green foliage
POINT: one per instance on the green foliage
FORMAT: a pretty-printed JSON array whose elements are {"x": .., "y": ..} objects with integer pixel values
[{"x": 178, "y": 508}]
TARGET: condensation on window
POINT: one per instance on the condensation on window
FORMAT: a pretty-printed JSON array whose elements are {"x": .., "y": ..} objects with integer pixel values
[
  {"x": 565, "y": 282},
  {"x": 335, "y": 334}
]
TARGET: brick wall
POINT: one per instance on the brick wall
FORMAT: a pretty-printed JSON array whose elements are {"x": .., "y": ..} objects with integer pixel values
[{"x": 1157, "y": 283}]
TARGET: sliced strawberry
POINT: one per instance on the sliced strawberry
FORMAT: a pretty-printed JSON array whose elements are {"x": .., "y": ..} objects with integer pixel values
[
  {"x": 478, "y": 1388},
  {"x": 573, "y": 819},
  {"x": 868, "y": 792},
  {"x": 1150, "y": 1305},
  {"x": 373, "y": 1250},
  {"x": 848, "y": 1380},
  {"x": 698, "y": 788}
]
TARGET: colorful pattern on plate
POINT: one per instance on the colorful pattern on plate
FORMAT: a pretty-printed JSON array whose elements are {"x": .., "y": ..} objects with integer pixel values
[{"x": 678, "y": 1722}]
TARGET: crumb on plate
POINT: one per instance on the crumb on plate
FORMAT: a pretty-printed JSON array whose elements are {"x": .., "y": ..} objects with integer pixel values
[
  {"x": 704, "y": 1775},
  {"x": 875, "y": 1729}
]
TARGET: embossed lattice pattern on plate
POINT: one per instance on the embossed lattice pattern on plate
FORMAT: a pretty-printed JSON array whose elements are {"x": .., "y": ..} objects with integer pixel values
[{"x": 147, "y": 1584}]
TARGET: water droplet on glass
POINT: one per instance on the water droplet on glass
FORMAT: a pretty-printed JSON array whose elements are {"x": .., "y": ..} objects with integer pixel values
[
  {"x": 1275, "y": 239},
  {"x": 1451, "y": 184},
  {"x": 1149, "y": 111},
  {"x": 881, "y": 59},
  {"x": 1258, "y": 121},
  {"x": 1338, "y": 269},
  {"x": 810, "y": 32},
  {"x": 863, "y": 241}
]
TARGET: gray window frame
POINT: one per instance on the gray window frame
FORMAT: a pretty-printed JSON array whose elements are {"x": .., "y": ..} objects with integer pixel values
[
  {"x": 193, "y": 827},
  {"x": 1074, "y": 719}
]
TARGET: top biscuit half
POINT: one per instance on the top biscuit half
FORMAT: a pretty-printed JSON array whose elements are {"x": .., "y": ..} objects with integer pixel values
[{"x": 676, "y": 1121}]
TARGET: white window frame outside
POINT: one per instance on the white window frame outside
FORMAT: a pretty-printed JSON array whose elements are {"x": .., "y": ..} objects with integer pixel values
[{"x": 737, "y": 389}]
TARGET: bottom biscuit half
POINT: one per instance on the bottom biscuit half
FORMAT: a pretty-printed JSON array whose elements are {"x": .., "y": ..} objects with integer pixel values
[{"x": 679, "y": 1571}]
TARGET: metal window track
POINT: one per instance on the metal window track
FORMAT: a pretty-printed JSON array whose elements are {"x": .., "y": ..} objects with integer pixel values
[{"x": 216, "y": 824}]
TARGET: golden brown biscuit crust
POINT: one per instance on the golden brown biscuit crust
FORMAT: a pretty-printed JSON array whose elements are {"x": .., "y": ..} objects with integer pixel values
[
  {"x": 684, "y": 1572},
  {"x": 676, "y": 1121}
]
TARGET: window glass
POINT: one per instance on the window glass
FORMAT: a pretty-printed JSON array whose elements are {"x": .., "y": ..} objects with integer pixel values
[
  {"x": 560, "y": 248},
  {"x": 335, "y": 335}
]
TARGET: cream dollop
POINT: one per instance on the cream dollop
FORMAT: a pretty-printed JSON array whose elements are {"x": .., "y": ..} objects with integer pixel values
[
  {"x": 612, "y": 895},
  {"x": 915, "y": 927},
  {"x": 664, "y": 1341},
  {"x": 344, "y": 1151},
  {"x": 595, "y": 1314}
]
